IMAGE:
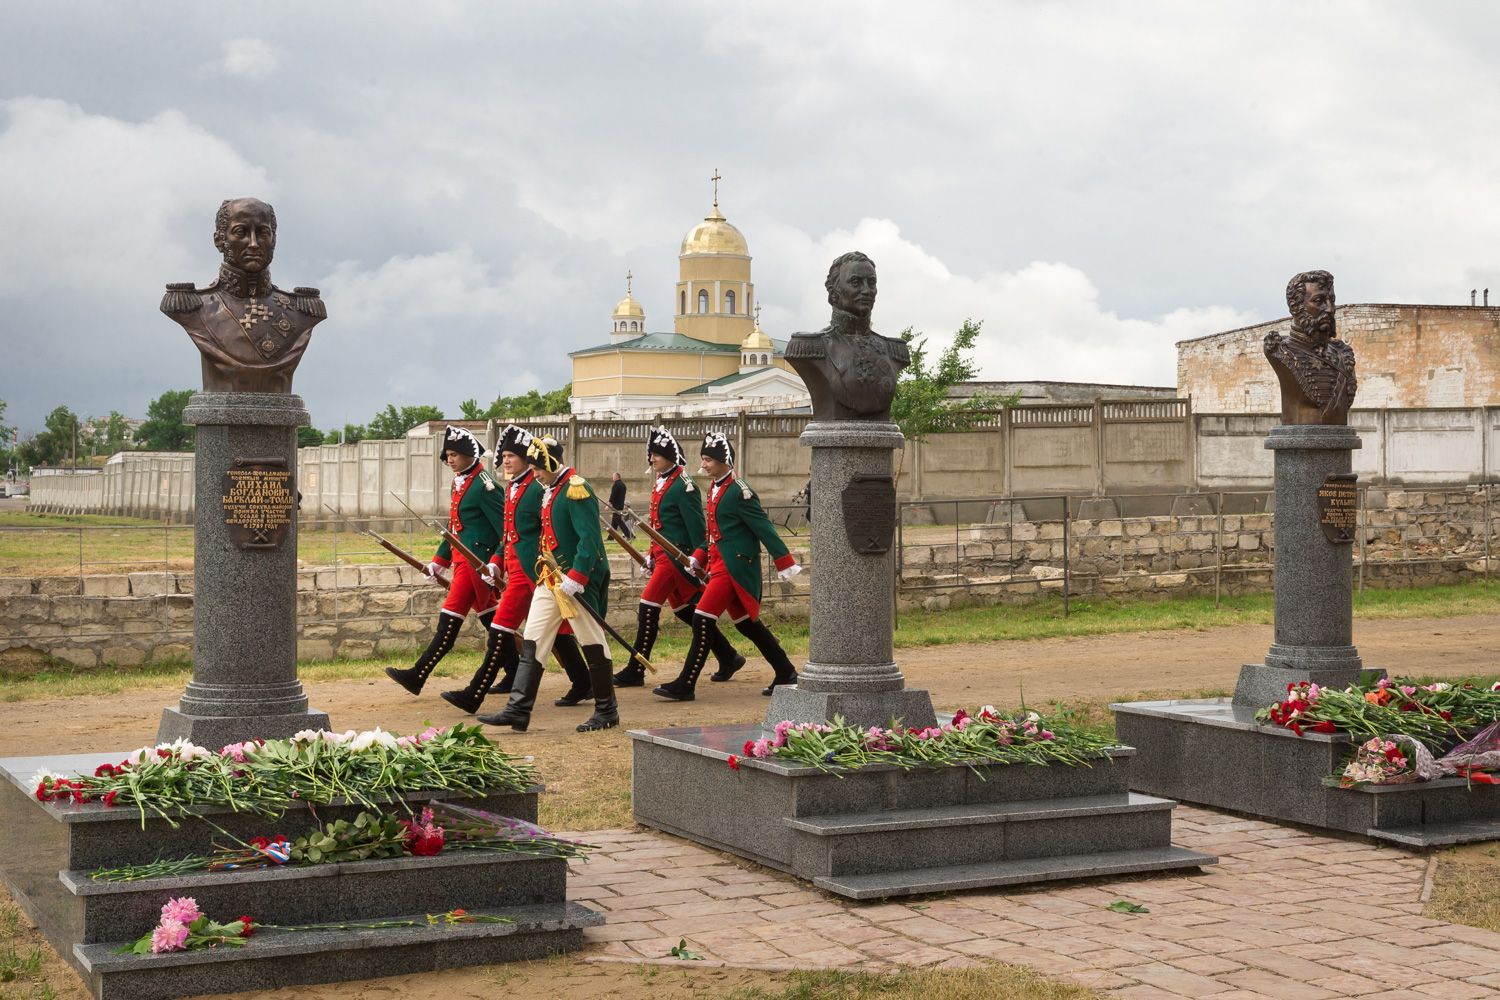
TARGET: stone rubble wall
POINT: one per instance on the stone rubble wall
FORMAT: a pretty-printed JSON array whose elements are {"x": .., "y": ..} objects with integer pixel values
[{"x": 1412, "y": 538}]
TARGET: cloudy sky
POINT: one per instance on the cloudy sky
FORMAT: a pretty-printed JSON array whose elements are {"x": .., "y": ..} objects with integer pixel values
[{"x": 468, "y": 182}]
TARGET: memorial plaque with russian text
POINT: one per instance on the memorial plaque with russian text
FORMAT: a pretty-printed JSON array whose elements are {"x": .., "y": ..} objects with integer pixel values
[
  {"x": 259, "y": 500},
  {"x": 1338, "y": 508},
  {"x": 869, "y": 508}
]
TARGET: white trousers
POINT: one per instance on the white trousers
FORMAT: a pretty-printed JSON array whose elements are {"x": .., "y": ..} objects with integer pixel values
[{"x": 544, "y": 620}]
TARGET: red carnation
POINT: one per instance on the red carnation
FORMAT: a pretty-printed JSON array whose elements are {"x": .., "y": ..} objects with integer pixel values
[
  {"x": 247, "y": 926},
  {"x": 734, "y": 763},
  {"x": 109, "y": 798},
  {"x": 1325, "y": 727},
  {"x": 1409, "y": 706},
  {"x": 260, "y": 843},
  {"x": 1296, "y": 729},
  {"x": 749, "y": 750},
  {"x": 105, "y": 771},
  {"x": 425, "y": 847},
  {"x": 1446, "y": 715}
]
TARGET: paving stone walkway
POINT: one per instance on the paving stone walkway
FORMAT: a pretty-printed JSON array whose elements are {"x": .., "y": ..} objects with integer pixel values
[{"x": 1286, "y": 914}]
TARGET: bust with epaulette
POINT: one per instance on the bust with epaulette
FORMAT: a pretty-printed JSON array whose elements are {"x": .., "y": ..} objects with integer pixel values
[{"x": 250, "y": 333}]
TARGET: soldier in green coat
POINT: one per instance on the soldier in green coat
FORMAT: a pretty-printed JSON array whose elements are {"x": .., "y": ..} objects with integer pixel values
[
  {"x": 677, "y": 515},
  {"x": 737, "y": 527},
  {"x": 475, "y": 514},
  {"x": 571, "y": 536}
]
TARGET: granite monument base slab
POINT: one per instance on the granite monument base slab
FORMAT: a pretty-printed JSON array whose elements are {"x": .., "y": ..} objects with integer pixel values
[
  {"x": 908, "y": 707},
  {"x": 1214, "y": 753},
  {"x": 51, "y": 850},
  {"x": 222, "y": 730},
  {"x": 883, "y": 831}
]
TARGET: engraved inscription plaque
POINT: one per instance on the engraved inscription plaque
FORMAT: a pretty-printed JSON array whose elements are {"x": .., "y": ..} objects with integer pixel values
[
  {"x": 1338, "y": 508},
  {"x": 869, "y": 504},
  {"x": 258, "y": 499}
]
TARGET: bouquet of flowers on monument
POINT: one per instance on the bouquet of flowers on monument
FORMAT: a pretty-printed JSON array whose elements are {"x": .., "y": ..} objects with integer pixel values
[
  {"x": 1388, "y": 761},
  {"x": 1382, "y": 708}
]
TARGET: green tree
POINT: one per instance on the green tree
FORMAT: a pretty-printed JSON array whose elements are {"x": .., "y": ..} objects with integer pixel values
[
  {"x": 107, "y": 436},
  {"x": 164, "y": 429},
  {"x": 55, "y": 444},
  {"x": 351, "y": 434},
  {"x": 391, "y": 423},
  {"x": 532, "y": 404},
  {"x": 922, "y": 406},
  {"x": 308, "y": 436},
  {"x": 8, "y": 441},
  {"x": 470, "y": 409}
]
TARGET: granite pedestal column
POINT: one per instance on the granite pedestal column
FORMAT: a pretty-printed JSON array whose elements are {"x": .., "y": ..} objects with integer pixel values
[
  {"x": 1314, "y": 629},
  {"x": 851, "y": 671},
  {"x": 244, "y": 682}
]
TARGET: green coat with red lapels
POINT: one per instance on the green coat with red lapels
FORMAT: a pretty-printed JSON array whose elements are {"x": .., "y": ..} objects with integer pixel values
[
  {"x": 476, "y": 514},
  {"x": 677, "y": 512},
  {"x": 571, "y": 532},
  {"x": 738, "y": 526}
]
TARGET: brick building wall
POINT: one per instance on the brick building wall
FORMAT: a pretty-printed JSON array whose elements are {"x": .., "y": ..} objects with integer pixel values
[{"x": 1406, "y": 355}]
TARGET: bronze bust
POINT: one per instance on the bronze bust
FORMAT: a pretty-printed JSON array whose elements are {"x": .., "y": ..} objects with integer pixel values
[
  {"x": 251, "y": 333},
  {"x": 1314, "y": 367},
  {"x": 849, "y": 369}
]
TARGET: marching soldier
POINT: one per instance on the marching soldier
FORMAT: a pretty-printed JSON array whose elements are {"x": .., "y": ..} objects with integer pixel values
[
  {"x": 513, "y": 566},
  {"x": 677, "y": 513},
  {"x": 572, "y": 540},
  {"x": 475, "y": 515},
  {"x": 737, "y": 528}
]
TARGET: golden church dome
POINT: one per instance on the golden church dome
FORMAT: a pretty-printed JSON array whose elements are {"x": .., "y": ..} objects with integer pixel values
[
  {"x": 757, "y": 341},
  {"x": 628, "y": 308},
  {"x": 715, "y": 235}
]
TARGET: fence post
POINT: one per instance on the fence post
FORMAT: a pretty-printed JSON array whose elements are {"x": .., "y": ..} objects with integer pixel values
[
  {"x": 1067, "y": 552},
  {"x": 1098, "y": 448},
  {"x": 1219, "y": 547}
]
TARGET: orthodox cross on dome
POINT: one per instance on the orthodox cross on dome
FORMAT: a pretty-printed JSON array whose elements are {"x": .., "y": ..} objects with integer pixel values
[
  {"x": 757, "y": 314},
  {"x": 716, "y": 178},
  {"x": 628, "y": 276}
]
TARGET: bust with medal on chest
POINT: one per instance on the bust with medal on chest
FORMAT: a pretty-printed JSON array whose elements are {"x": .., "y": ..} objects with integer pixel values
[
  {"x": 849, "y": 369},
  {"x": 251, "y": 334},
  {"x": 1314, "y": 367}
]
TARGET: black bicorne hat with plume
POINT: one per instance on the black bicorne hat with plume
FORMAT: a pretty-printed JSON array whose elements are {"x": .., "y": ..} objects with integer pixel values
[
  {"x": 661, "y": 442},
  {"x": 459, "y": 440},
  {"x": 717, "y": 447},
  {"x": 516, "y": 440}
]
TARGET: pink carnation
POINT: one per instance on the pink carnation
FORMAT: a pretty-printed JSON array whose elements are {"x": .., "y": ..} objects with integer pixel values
[
  {"x": 761, "y": 748},
  {"x": 183, "y": 910},
  {"x": 170, "y": 935}
]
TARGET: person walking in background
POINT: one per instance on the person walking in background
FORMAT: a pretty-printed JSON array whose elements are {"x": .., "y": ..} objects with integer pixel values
[{"x": 617, "y": 504}]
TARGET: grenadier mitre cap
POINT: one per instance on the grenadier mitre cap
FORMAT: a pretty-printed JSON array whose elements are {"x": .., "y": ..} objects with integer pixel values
[
  {"x": 717, "y": 447},
  {"x": 661, "y": 442},
  {"x": 457, "y": 439},
  {"x": 545, "y": 453}
]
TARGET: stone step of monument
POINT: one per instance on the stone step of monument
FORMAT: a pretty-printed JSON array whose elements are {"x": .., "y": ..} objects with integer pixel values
[
  {"x": 981, "y": 833},
  {"x": 1440, "y": 834},
  {"x": 979, "y": 814},
  {"x": 273, "y": 958},
  {"x": 353, "y": 890},
  {"x": 949, "y": 878}
]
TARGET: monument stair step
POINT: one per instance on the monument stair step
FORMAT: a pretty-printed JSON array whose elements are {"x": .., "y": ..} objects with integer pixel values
[
  {"x": 949, "y": 878},
  {"x": 351, "y": 890},
  {"x": 272, "y": 958},
  {"x": 1440, "y": 834},
  {"x": 982, "y": 813}
]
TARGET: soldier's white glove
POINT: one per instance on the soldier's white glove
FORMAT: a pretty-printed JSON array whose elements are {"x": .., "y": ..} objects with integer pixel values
[
  {"x": 433, "y": 569},
  {"x": 789, "y": 572},
  {"x": 571, "y": 587},
  {"x": 695, "y": 566},
  {"x": 649, "y": 564},
  {"x": 491, "y": 575}
]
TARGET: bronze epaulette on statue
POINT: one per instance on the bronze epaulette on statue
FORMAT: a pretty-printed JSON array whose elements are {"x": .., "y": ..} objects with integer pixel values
[
  {"x": 181, "y": 297},
  {"x": 305, "y": 300},
  {"x": 578, "y": 488}
]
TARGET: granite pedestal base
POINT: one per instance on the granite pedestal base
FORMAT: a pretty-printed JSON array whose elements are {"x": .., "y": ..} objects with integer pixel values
[
  {"x": 1214, "y": 753},
  {"x": 222, "y": 730},
  {"x": 50, "y": 849},
  {"x": 881, "y": 831}
]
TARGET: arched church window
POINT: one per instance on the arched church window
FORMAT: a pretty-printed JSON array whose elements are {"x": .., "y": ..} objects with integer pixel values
[
  {"x": 703, "y": 300},
  {"x": 729, "y": 303},
  {"x": 634, "y": 325},
  {"x": 764, "y": 359},
  {"x": 682, "y": 300}
]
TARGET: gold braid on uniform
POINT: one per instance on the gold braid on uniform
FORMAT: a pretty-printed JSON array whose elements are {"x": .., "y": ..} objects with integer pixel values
[{"x": 578, "y": 488}]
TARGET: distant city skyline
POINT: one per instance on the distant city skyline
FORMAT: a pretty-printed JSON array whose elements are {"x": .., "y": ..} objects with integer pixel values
[{"x": 469, "y": 183}]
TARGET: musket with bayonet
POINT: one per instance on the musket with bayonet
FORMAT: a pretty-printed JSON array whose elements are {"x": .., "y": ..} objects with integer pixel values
[
  {"x": 698, "y": 576},
  {"x": 441, "y": 579},
  {"x": 475, "y": 563},
  {"x": 624, "y": 543},
  {"x": 550, "y": 574}
]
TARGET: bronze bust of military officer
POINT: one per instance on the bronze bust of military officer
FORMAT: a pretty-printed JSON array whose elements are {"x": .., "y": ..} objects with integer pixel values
[
  {"x": 1314, "y": 367},
  {"x": 251, "y": 333},
  {"x": 849, "y": 369}
]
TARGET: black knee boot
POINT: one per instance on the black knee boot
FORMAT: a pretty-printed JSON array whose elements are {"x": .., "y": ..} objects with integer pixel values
[
  {"x": 647, "y": 625},
  {"x": 681, "y": 689},
  {"x": 508, "y": 657},
  {"x": 517, "y": 712},
  {"x": 571, "y": 657},
  {"x": 770, "y": 648},
  {"x": 729, "y": 659},
  {"x": 496, "y": 646},
  {"x": 415, "y": 676},
  {"x": 606, "y": 709}
]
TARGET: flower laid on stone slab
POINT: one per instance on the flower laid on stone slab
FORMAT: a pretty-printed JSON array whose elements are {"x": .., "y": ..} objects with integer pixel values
[
  {"x": 986, "y": 737},
  {"x": 367, "y": 836},
  {"x": 183, "y": 927},
  {"x": 1439, "y": 714},
  {"x": 315, "y": 767}
]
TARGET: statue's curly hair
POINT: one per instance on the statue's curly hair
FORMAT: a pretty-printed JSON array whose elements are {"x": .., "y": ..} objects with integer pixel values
[
  {"x": 221, "y": 217},
  {"x": 1296, "y": 289},
  {"x": 838, "y": 262}
]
